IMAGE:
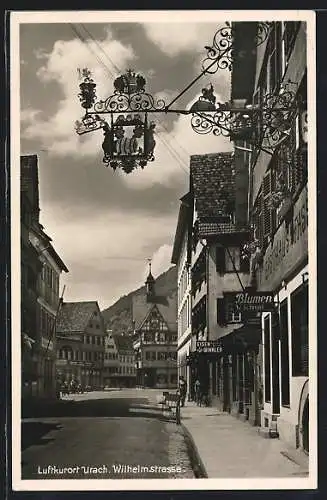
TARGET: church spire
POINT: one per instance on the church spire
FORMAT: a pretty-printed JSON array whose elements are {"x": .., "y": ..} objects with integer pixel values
[{"x": 150, "y": 282}]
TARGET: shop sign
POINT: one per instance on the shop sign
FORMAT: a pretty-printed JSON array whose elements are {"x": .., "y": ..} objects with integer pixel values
[
  {"x": 288, "y": 249},
  {"x": 209, "y": 346},
  {"x": 254, "y": 302}
]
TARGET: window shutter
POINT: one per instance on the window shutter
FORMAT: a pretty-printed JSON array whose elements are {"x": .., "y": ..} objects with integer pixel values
[
  {"x": 259, "y": 219},
  {"x": 221, "y": 312},
  {"x": 220, "y": 259},
  {"x": 266, "y": 191}
]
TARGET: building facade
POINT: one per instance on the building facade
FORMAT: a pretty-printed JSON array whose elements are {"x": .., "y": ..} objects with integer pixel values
[
  {"x": 80, "y": 344},
  {"x": 181, "y": 257},
  {"x": 126, "y": 376},
  {"x": 155, "y": 337},
  {"x": 41, "y": 268},
  {"x": 30, "y": 269},
  {"x": 225, "y": 342},
  {"x": 111, "y": 361},
  {"x": 279, "y": 216}
]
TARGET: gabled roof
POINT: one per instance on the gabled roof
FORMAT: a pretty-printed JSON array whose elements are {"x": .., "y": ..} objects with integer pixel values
[
  {"x": 213, "y": 185},
  {"x": 167, "y": 307},
  {"x": 74, "y": 316},
  {"x": 123, "y": 343},
  {"x": 38, "y": 229}
]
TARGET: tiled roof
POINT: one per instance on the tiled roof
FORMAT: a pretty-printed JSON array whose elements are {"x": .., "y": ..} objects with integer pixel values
[
  {"x": 123, "y": 342},
  {"x": 213, "y": 181},
  {"x": 74, "y": 316},
  {"x": 167, "y": 307}
]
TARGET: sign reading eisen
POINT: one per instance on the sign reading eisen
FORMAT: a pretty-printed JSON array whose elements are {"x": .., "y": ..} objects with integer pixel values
[
  {"x": 254, "y": 301},
  {"x": 208, "y": 346}
]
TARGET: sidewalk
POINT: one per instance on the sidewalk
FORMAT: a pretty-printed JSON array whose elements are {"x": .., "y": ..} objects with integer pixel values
[{"x": 229, "y": 447}]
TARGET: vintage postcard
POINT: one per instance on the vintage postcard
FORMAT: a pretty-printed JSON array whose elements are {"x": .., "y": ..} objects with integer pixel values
[{"x": 163, "y": 229}]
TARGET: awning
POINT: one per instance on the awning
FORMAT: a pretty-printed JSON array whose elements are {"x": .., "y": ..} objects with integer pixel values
[{"x": 241, "y": 339}]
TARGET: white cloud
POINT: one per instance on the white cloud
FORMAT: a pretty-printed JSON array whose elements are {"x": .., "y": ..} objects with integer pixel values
[
  {"x": 57, "y": 133},
  {"x": 173, "y": 37},
  {"x": 106, "y": 256},
  {"x": 161, "y": 260}
]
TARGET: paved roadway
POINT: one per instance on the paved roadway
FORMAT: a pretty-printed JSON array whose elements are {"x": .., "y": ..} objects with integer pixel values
[{"x": 103, "y": 435}]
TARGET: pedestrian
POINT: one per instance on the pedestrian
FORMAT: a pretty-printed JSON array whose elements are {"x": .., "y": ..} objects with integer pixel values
[
  {"x": 183, "y": 389},
  {"x": 197, "y": 390}
]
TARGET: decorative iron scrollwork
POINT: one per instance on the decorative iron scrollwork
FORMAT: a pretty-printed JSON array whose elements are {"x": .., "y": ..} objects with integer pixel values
[
  {"x": 129, "y": 140},
  {"x": 268, "y": 124},
  {"x": 220, "y": 53},
  {"x": 128, "y": 151},
  {"x": 87, "y": 93},
  {"x": 89, "y": 123}
]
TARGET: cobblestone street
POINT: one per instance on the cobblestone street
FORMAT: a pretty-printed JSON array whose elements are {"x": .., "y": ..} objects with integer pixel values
[{"x": 102, "y": 435}]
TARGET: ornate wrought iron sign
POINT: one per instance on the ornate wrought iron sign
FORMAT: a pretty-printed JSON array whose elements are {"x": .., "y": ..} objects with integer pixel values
[
  {"x": 128, "y": 139},
  {"x": 267, "y": 125},
  {"x": 220, "y": 53}
]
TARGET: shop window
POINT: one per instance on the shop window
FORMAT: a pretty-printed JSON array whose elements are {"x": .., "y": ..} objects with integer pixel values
[
  {"x": 267, "y": 360},
  {"x": 284, "y": 354},
  {"x": 300, "y": 338},
  {"x": 232, "y": 316},
  {"x": 226, "y": 312}
]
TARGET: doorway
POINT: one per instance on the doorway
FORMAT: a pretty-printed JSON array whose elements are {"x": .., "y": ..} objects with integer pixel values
[{"x": 305, "y": 426}]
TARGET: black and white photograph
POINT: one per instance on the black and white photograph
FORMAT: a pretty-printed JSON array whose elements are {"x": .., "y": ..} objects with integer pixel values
[{"x": 163, "y": 250}]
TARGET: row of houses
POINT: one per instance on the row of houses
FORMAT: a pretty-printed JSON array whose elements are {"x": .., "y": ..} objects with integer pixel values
[
  {"x": 41, "y": 267},
  {"x": 241, "y": 250},
  {"x": 65, "y": 341},
  {"x": 60, "y": 341}
]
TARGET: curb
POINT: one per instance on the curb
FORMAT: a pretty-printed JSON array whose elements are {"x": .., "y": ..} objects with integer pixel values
[{"x": 196, "y": 461}]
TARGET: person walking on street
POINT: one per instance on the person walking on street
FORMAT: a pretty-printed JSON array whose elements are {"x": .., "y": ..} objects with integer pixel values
[
  {"x": 197, "y": 390},
  {"x": 183, "y": 389}
]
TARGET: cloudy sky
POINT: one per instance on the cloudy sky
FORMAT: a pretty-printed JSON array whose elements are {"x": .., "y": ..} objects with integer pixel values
[{"x": 106, "y": 224}]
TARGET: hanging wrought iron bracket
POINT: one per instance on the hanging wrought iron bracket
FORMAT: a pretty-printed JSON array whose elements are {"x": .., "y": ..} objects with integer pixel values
[{"x": 129, "y": 137}]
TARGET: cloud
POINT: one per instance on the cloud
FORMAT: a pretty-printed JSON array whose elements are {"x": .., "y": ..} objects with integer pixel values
[
  {"x": 161, "y": 260},
  {"x": 173, "y": 38},
  {"x": 175, "y": 141},
  {"x": 57, "y": 133},
  {"x": 106, "y": 255}
]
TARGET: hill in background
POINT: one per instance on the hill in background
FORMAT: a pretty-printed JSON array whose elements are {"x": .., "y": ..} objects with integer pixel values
[{"x": 118, "y": 317}]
